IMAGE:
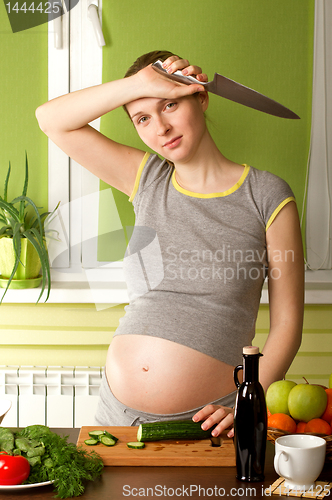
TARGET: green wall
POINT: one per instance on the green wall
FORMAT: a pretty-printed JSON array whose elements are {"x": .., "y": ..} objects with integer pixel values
[
  {"x": 79, "y": 335},
  {"x": 264, "y": 45},
  {"x": 23, "y": 87}
]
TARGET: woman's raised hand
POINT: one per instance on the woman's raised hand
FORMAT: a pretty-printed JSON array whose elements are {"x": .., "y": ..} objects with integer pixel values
[{"x": 158, "y": 85}]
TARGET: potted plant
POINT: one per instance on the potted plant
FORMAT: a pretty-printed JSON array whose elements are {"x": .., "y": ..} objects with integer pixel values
[{"x": 23, "y": 254}]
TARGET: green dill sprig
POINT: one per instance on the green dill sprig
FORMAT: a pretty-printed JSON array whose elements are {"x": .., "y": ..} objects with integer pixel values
[{"x": 64, "y": 463}]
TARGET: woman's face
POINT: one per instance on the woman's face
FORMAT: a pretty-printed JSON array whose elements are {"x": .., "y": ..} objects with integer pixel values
[{"x": 172, "y": 128}]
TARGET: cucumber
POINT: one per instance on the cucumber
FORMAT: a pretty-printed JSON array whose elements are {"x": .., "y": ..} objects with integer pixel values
[
  {"x": 103, "y": 437},
  {"x": 173, "y": 429},
  {"x": 108, "y": 434},
  {"x": 91, "y": 441},
  {"x": 135, "y": 445},
  {"x": 96, "y": 434},
  {"x": 106, "y": 440}
]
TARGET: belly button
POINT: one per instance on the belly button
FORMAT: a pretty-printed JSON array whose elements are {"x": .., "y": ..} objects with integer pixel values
[{"x": 145, "y": 369}]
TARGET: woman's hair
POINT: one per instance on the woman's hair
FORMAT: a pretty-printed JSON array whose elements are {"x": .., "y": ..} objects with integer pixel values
[{"x": 146, "y": 59}]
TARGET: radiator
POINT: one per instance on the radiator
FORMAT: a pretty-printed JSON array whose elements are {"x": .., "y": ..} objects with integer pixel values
[{"x": 50, "y": 395}]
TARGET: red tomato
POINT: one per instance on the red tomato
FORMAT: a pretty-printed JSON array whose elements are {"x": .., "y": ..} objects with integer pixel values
[{"x": 13, "y": 470}]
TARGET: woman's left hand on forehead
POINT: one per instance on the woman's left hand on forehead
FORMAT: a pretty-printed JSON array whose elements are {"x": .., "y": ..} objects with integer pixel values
[{"x": 174, "y": 63}]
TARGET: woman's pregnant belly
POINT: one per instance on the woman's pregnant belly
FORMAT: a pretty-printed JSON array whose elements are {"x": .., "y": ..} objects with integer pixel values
[{"x": 159, "y": 376}]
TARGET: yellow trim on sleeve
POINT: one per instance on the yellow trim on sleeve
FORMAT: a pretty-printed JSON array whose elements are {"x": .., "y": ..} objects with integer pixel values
[
  {"x": 138, "y": 176},
  {"x": 212, "y": 195},
  {"x": 277, "y": 210}
]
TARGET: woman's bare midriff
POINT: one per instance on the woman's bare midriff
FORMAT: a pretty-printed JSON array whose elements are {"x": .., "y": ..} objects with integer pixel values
[{"x": 159, "y": 376}]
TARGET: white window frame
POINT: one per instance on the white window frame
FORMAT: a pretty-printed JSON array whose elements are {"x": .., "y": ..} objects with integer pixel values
[{"x": 75, "y": 65}]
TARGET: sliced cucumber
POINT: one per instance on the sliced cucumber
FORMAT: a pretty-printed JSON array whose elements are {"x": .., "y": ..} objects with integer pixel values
[
  {"x": 107, "y": 441},
  {"x": 91, "y": 441},
  {"x": 96, "y": 433},
  {"x": 135, "y": 445},
  {"x": 173, "y": 429},
  {"x": 101, "y": 436},
  {"x": 108, "y": 434}
]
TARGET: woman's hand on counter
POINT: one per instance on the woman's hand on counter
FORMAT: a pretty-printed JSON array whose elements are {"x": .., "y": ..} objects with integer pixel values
[{"x": 216, "y": 414}]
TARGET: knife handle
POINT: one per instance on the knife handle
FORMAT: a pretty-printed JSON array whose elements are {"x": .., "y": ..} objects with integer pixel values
[{"x": 177, "y": 76}]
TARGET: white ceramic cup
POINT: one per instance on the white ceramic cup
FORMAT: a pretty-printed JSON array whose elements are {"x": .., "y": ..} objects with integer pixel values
[{"x": 299, "y": 458}]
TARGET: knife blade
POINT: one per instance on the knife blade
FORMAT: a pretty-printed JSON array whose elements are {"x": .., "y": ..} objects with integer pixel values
[{"x": 233, "y": 91}]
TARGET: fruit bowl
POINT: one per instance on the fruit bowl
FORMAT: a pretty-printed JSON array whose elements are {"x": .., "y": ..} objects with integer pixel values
[{"x": 273, "y": 434}]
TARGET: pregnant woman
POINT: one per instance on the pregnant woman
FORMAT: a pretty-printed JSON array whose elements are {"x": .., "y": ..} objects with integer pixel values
[{"x": 216, "y": 229}]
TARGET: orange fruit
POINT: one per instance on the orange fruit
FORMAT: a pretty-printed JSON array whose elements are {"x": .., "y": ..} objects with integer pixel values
[
  {"x": 318, "y": 426},
  {"x": 283, "y": 422},
  {"x": 300, "y": 427},
  {"x": 327, "y": 415},
  {"x": 268, "y": 412}
]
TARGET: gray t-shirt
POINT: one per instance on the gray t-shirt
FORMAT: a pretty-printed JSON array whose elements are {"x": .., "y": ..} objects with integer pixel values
[{"x": 196, "y": 263}]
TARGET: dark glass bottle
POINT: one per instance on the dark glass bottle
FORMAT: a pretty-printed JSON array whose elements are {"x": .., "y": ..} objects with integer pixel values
[{"x": 250, "y": 419}]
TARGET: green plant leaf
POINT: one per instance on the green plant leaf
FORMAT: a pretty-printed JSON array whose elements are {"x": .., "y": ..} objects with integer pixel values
[
  {"x": 25, "y": 187},
  {"x": 17, "y": 235},
  {"x": 7, "y": 207},
  {"x": 6, "y": 184},
  {"x": 12, "y": 222},
  {"x": 34, "y": 221},
  {"x": 31, "y": 222},
  {"x": 30, "y": 202},
  {"x": 4, "y": 229},
  {"x": 15, "y": 224},
  {"x": 43, "y": 255},
  {"x": 17, "y": 261}
]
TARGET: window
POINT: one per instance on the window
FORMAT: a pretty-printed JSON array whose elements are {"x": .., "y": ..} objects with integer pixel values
[
  {"x": 78, "y": 64},
  {"x": 319, "y": 203}
]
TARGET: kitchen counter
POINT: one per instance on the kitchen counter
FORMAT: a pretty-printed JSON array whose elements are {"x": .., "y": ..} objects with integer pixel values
[{"x": 166, "y": 482}]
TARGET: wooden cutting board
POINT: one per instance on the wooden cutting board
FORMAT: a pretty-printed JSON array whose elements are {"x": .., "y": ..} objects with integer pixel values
[{"x": 197, "y": 453}]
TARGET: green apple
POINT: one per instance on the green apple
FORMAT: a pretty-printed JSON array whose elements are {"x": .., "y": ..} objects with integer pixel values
[
  {"x": 277, "y": 396},
  {"x": 307, "y": 401}
]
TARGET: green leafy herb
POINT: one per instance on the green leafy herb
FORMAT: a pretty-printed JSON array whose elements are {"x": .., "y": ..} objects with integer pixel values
[
  {"x": 6, "y": 440},
  {"x": 52, "y": 458}
]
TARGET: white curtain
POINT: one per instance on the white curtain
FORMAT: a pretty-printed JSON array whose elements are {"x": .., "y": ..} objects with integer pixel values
[{"x": 319, "y": 195}]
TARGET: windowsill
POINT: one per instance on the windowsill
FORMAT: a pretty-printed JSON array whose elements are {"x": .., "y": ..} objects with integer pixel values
[
  {"x": 318, "y": 290},
  {"x": 75, "y": 292}
]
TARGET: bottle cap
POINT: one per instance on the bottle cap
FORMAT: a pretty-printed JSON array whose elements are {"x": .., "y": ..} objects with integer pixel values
[{"x": 250, "y": 349}]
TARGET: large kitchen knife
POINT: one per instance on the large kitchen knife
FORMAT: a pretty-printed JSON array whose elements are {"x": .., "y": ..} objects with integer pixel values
[{"x": 224, "y": 87}]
